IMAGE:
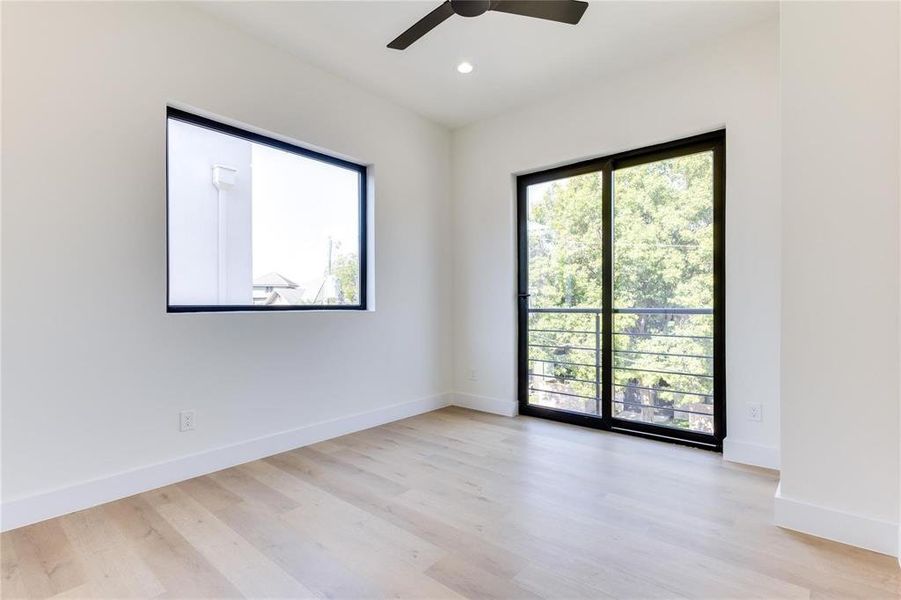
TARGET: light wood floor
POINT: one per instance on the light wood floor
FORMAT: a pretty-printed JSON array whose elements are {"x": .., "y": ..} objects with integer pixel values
[{"x": 453, "y": 503}]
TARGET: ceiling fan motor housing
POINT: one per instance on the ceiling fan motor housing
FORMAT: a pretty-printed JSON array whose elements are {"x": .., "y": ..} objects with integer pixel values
[{"x": 470, "y": 8}]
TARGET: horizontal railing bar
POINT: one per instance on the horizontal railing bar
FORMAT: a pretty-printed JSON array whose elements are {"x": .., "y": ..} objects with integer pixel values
[
  {"x": 583, "y": 348},
  {"x": 532, "y": 389},
  {"x": 655, "y": 245},
  {"x": 566, "y": 310},
  {"x": 560, "y": 362},
  {"x": 626, "y": 311},
  {"x": 591, "y": 381},
  {"x": 615, "y": 368},
  {"x": 624, "y": 386},
  {"x": 615, "y": 351},
  {"x": 661, "y": 390},
  {"x": 673, "y": 408},
  {"x": 663, "y": 311},
  {"x": 561, "y": 331},
  {"x": 666, "y": 335}
]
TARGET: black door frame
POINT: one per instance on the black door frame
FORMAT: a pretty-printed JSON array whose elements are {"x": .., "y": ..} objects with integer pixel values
[{"x": 714, "y": 141}]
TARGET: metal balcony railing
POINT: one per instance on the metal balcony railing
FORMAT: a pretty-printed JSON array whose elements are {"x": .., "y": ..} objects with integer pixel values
[{"x": 662, "y": 363}]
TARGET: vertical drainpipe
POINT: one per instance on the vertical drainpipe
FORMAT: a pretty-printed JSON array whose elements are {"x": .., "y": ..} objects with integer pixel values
[{"x": 224, "y": 178}]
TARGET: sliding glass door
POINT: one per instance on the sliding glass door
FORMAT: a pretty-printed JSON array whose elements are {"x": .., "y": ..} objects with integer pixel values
[{"x": 621, "y": 314}]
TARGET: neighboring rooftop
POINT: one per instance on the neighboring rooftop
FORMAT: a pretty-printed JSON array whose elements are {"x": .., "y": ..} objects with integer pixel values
[{"x": 274, "y": 280}]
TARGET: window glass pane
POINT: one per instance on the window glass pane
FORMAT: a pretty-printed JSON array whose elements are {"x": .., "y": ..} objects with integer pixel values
[
  {"x": 663, "y": 293},
  {"x": 255, "y": 225},
  {"x": 663, "y": 369},
  {"x": 566, "y": 237},
  {"x": 305, "y": 230},
  {"x": 663, "y": 233}
]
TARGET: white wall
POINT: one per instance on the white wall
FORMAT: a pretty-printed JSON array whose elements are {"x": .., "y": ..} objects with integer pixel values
[
  {"x": 94, "y": 370},
  {"x": 733, "y": 83},
  {"x": 840, "y": 347},
  {"x": 194, "y": 214}
]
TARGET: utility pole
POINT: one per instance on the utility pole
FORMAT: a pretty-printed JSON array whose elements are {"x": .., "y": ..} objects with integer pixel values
[{"x": 329, "y": 255}]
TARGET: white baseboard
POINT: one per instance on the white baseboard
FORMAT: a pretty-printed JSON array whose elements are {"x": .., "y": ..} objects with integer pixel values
[
  {"x": 31, "y": 509},
  {"x": 506, "y": 408},
  {"x": 751, "y": 454},
  {"x": 847, "y": 528}
]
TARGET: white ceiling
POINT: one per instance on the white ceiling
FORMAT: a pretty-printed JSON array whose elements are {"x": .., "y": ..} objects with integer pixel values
[{"x": 517, "y": 59}]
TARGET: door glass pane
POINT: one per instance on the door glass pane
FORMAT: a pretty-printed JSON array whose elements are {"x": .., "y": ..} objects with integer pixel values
[
  {"x": 663, "y": 292},
  {"x": 565, "y": 245}
]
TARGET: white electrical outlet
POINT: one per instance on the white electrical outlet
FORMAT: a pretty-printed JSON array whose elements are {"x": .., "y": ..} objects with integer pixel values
[
  {"x": 755, "y": 411},
  {"x": 186, "y": 420},
  {"x": 473, "y": 375}
]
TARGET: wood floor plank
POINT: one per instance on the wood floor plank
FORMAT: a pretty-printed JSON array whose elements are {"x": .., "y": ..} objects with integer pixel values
[
  {"x": 379, "y": 501},
  {"x": 112, "y": 566},
  {"x": 11, "y": 585},
  {"x": 325, "y": 510},
  {"x": 248, "y": 569},
  {"x": 449, "y": 504},
  {"x": 210, "y": 493},
  {"x": 472, "y": 581},
  {"x": 310, "y": 564},
  {"x": 177, "y": 564},
  {"x": 46, "y": 560},
  {"x": 549, "y": 582},
  {"x": 394, "y": 567},
  {"x": 246, "y": 487}
]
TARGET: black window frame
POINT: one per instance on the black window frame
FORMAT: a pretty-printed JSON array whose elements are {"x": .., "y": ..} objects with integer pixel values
[
  {"x": 362, "y": 171},
  {"x": 715, "y": 142}
]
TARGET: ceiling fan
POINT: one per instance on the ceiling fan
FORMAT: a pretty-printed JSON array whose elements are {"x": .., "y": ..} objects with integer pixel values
[{"x": 563, "y": 11}]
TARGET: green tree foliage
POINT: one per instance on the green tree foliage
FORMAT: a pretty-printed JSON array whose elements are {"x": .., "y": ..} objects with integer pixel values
[
  {"x": 566, "y": 238},
  {"x": 663, "y": 258},
  {"x": 664, "y": 234},
  {"x": 347, "y": 274}
]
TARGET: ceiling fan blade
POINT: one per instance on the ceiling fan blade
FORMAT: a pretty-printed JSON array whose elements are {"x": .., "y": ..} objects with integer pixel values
[
  {"x": 423, "y": 26},
  {"x": 563, "y": 11}
]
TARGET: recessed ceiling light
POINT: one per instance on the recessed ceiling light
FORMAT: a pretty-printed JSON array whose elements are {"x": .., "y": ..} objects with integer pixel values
[{"x": 464, "y": 67}]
